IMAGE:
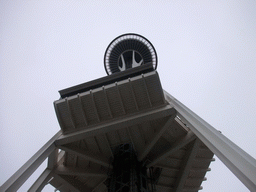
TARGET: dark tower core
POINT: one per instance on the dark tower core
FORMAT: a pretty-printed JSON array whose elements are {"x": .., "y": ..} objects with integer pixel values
[{"x": 128, "y": 173}]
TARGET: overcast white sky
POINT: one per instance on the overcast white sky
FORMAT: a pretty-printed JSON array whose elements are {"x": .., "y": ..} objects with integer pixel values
[{"x": 206, "y": 52}]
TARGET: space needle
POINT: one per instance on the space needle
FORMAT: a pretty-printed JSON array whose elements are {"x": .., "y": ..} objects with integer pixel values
[{"x": 125, "y": 133}]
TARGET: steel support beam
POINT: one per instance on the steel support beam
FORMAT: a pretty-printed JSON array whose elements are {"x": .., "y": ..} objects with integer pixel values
[
  {"x": 18, "y": 178},
  {"x": 185, "y": 167},
  {"x": 52, "y": 159},
  {"x": 88, "y": 172},
  {"x": 236, "y": 159},
  {"x": 99, "y": 184},
  {"x": 66, "y": 183},
  {"x": 156, "y": 138},
  {"x": 91, "y": 156},
  {"x": 189, "y": 137},
  {"x": 41, "y": 181}
]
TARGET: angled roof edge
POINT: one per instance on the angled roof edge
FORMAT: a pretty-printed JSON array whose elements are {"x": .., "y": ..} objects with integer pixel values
[{"x": 106, "y": 80}]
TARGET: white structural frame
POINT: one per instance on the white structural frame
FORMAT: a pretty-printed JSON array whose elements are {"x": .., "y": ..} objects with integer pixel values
[
  {"x": 242, "y": 165},
  {"x": 20, "y": 176},
  {"x": 236, "y": 159}
]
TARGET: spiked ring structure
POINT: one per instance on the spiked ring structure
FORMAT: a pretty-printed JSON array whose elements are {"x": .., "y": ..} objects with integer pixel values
[{"x": 128, "y": 51}]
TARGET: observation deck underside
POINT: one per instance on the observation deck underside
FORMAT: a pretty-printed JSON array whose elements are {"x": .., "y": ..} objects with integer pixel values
[{"x": 133, "y": 110}]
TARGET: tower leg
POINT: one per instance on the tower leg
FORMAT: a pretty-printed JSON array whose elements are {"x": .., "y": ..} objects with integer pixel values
[{"x": 236, "y": 159}]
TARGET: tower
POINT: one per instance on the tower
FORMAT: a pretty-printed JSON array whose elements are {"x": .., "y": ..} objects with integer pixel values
[{"x": 123, "y": 132}]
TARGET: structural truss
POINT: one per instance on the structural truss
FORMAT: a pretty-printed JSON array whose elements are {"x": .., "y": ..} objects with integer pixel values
[{"x": 173, "y": 143}]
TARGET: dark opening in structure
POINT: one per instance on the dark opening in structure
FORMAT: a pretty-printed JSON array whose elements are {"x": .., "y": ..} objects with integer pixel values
[{"x": 128, "y": 174}]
